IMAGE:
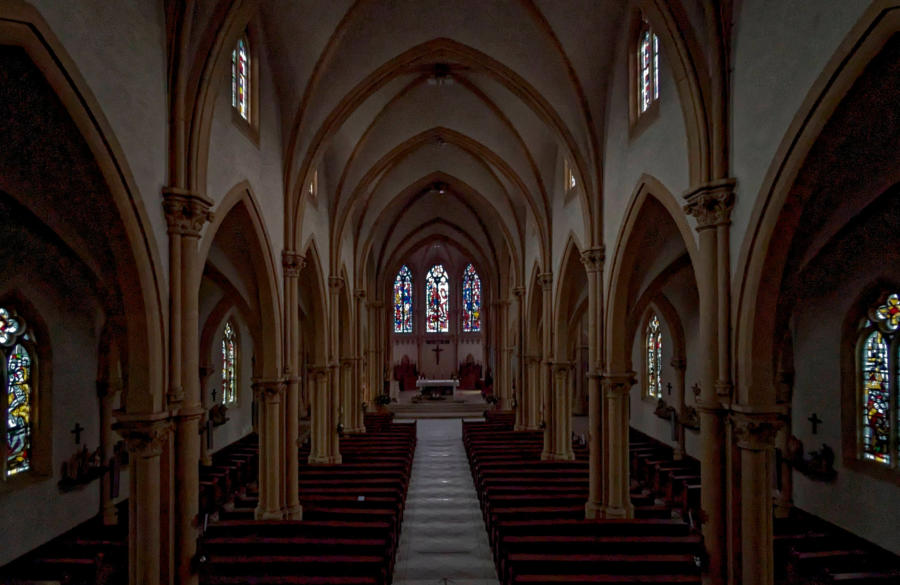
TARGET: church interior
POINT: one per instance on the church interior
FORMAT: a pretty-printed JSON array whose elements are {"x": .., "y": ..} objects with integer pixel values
[{"x": 257, "y": 253}]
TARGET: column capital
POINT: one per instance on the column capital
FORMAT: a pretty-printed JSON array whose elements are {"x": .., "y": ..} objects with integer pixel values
[
  {"x": 359, "y": 293},
  {"x": 292, "y": 262},
  {"x": 678, "y": 363},
  {"x": 546, "y": 280},
  {"x": 755, "y": 431},
  {"x": 711, "y": 203},
  {"x": 375, "y": 304},
  {"x": 593, "y": 258},
  {"x": 186, "y": 211},
  {"x": 617, "y": 384},
  {"x": 335, "y": 283},
  {"x": 268, "y": 390},
  {"x": 519, "y": 291},
  {"x": 560, "y": 367},
  {"x": 144, "y": 437}
]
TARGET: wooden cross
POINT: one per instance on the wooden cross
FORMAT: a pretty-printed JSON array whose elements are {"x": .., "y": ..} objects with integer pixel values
[
  {"x": 669, "y": 388},
  {"x": 816, "y": 421},
  {"x": 437, "y": 353},
  {"x": 213, "y": 393},
  {"x": 77, "y": 432}
]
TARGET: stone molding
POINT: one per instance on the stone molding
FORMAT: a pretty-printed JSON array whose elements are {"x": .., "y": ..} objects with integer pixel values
[
  {"x": 335, "y": 283},
  {"x": 144, "y": 438},
  {"x": 617, "y": 385},
  {"x": 755, "y": 431},
  {"x": 594, "y": 258},
  {"x": 546, "y": 280},
  {"x": 292, "y": 262},
  {"x": 186, "y": 212},
  {"x": 269, "y": 390},
  {"x": 359, "y": 293},
  {"x": 711, "y": 203}
]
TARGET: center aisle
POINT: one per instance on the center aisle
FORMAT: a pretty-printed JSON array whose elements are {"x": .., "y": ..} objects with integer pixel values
[{"x": 442, "y": 535}]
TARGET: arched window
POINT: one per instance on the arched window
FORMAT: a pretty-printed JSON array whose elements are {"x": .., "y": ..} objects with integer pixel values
[
  {"x": 647, "y": 67},
  {"x": 437, "y": 300},
  {"x": 229, "y": 365},
  {"x": 403, "y": 303},
  {"x": 240, "y": 78},
  {"x": 17, "y": 345},
  {"x": 471, "y": 297},
  {"x": 653, "y": 357},
  {"x": 878, "y": 379}
]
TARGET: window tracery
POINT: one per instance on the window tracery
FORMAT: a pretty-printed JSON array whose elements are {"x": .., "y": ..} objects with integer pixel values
[
  {"x": 647, "y": 67},
  {"x": 471, "y": 296},
  {"x": 240, "y": 78},
  {"x": 403, "y": 302},
  {"x": 653, "y": 357},
  {"x": 879, "y": 358},
  {"x": 17, "y": 345},
  {"x": 229, "y": 365},
  {"x": 437, "y": 300}
]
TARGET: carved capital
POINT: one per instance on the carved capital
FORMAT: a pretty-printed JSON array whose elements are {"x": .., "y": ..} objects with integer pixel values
[
  {"x": 269, "y": 391},
  {"x": 561, "y": 368},
  {"x": 593, "y": 259},
  {"x": 359, "y": 293},
  {"x": 144, "y": 438},
  {"x": 755, "y": 431},
  {"x": 678, "y": 363},
  {"x": 546, "y": 280},
  {"x": 519, "y": 291},
  {"x": 292, "y": 262},
  {"x": 617, "y": 385},
  {"x": 711, "y": 204},
  {"x": 335, "y": 283},
  {"x": 186, "y": 212}
]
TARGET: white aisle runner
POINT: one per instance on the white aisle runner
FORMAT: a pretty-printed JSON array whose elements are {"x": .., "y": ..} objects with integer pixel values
[{"x": 442, "y": 538}]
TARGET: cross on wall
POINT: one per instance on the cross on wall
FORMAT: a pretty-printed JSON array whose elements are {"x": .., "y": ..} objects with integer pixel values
[
  {"x": 77, "y": 432},
  {"x": 437, "y": 353}
]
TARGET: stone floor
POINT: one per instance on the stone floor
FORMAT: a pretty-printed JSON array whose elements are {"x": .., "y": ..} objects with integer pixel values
[{"x": 442, "y": 539}]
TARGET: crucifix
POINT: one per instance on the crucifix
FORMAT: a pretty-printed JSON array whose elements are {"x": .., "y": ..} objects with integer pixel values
[
  {"x": 437, "y": 354},
  {"x": 213, "y": 394},
  {"x": 77, "y": 432},
  {"x": 816, "y": 421},
  {"x": 669, "y": 388}
]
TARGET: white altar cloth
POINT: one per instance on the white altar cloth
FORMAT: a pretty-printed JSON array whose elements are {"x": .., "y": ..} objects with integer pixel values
[{"x": 433, "y": 383}]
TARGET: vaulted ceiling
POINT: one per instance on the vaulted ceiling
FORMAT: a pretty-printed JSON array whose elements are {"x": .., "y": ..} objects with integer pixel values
[{"x": 441, "y": 118}]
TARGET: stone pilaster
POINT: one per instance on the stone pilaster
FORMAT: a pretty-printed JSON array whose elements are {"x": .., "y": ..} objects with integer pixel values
[
  {"x": 521, "y": 389},
  {"x": 292, "y": 264},
  {"x": 593, "y": 260},
  {"x": 359, "y": 379},
  {"x": 545, "y": 280},
  {"x": 561, "y": 443},
  {"x": 617, "y": 480},
  {"x": 319, "y": 453}
]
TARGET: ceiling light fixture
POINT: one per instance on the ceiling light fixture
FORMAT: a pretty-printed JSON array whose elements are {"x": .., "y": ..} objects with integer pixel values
[{"x": 440, "y": 75}]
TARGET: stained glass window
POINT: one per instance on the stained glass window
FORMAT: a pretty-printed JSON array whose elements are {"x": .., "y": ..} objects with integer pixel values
[
  {"x": 648, "y": 67},
  {"x": 403, "y": 303},
  {"x": 437, "y": 300},
  {"x": 654, "y": 358},
  {"x": 876, "y": 424},
  {"x": 471, "y": 298},
  {"x": 229, "y": 368},
  {"x": 19, "y": 399},
  {"x": 240, "y": 78}
]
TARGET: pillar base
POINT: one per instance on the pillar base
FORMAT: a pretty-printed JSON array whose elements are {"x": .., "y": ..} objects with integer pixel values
[
  {"x": 593, "y": 510},
  {"x": 355, "y": 431},
  {"x": 616, "y": 512},
  {"x": 110, "y": 515},
  {"x": 550, "y": 456},
  {"x": 206, "y": 461},
  {"x": 261, "y": 514},
  {"x": 293, "y": 513},
  {"x": 319, "y": 460}
]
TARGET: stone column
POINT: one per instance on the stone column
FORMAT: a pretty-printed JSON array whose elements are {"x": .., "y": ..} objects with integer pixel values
[
  {"x": 784, "y": 499},
  {"x": 376, "y": 343},
  {"x": 348, "y": 405},
  {"x": 334, "y": 397},
  {"x": 356, "y": 412},
  {"x": 145, "y": 439},
  {"x": 679, "y": 365},
  {"x": 269, "y": 396},
  {"x": 521, "y": 393},
  {"x": 546, "y": 380},
  {"x": 319, "y": 448},
  {"x": 532, "y": 393},
  {"x": 755, "y": 433},
  {"x": 616, "y": 388},
  {"x": 593, "y": 259},
  {"x": 107, "y": 390},
  {"x": 501, "y": 375},
  {"x": 562, "y": 412},
  {"x": 292, "y": 263},
  {"x": 186, "y": 213},
  {"x": 711, "y": 206}
]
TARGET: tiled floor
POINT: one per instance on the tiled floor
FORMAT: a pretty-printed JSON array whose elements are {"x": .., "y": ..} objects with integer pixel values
[{"x": 442, "y": 539}]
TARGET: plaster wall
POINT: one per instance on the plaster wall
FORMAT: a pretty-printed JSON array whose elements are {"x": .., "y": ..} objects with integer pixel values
[
  {"x": 119, "y": 49},
  {"x": 779, "y": 50},
  {"x": 235, "y": 157}
]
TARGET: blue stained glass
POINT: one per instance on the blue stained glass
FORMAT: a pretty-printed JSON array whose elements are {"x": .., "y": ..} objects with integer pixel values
[
  {"x": 437, "y": 300},
  {"x": 403, "y": 302},
  {"x": 471, "y": 294}
]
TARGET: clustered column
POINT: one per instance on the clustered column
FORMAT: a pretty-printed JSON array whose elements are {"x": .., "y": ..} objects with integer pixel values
[
  {"x": 546, "y": 380},
  {"x": 593, "y": 259},
  {"x": 358, "y": 396},
  {"x": 561, "y": 444},
  {"x": 520, "y": 394},
  {"x": 616, "y": 464},
  {"x": 292, "y": 263},
  {"x": 711, "y": 206},
  {"x": 186, "y": 213},
  {"x": 269, "y": 396}
]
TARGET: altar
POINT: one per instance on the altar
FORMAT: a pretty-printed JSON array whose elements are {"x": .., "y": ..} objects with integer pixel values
[{"x": 431, "y": 386}]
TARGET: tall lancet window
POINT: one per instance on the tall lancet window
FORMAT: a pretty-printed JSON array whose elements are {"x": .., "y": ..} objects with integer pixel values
[
  {"x": 403, "y": 302},
  {"x": 437, "y": 300},
  {"x": 653, "y": 359},
  {"x": 878, "y": 394},
  {"x": 240, "y": 78},
  {"x": 229, "y": 365},
  {"x": 471, "y": 297},
  {"x": 648, "y": 67},
  {"x": 15, "y": 342}
]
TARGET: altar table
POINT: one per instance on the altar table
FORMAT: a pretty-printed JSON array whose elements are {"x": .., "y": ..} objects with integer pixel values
[{"x": 423, "y": 385}]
